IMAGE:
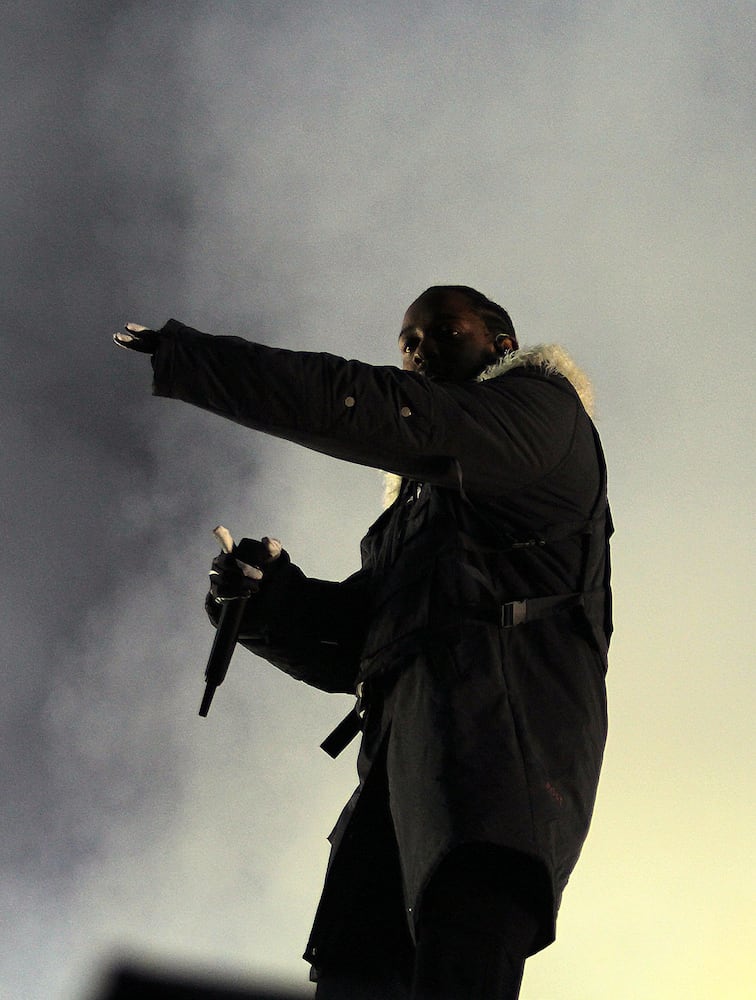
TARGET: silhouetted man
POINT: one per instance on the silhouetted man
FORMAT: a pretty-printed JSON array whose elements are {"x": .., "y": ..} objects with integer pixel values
[{"x": 475, "y": 634}]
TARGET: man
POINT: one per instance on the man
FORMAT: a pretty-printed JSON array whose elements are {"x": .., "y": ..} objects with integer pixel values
[{"x": 475, "y": 634}]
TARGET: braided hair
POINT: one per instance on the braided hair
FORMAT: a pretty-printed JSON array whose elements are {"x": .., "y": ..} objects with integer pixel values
[{"x": 495, "y": 317}]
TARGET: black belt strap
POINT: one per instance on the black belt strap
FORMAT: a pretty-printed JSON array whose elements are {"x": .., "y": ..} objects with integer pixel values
[
  {"x": 343, "y": 734},
  {"x": 518, "y": 612},
  {"x": 505, "y": 616}
]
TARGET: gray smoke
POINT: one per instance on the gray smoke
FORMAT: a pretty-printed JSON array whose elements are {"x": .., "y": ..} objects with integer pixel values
[{"x": 297, "y": 173}]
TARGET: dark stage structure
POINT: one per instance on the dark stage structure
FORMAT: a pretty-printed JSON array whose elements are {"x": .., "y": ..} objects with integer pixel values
[{"x": 130, "y": 983}]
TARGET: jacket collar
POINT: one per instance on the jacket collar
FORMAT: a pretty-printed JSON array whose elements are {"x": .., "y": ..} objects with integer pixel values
[
  {"x": 553, "y": 360},
  {"x": 550, "y": 358}
]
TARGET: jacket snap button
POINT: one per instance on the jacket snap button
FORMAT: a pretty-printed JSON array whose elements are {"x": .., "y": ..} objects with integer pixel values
[
  {"x": 406, "y": 411},
  {"x": 349, "y": 401}
]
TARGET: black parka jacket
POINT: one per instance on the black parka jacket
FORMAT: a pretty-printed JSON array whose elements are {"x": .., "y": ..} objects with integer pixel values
[{"x": 482, "y": 610}]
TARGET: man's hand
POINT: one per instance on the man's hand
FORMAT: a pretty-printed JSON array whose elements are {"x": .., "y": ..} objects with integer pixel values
[
  {"x": 137, "y": 338},
  {"x": 238, "y": 573}
]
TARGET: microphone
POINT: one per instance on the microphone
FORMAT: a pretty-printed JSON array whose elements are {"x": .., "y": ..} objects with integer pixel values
[{"x": 226, "y": 633}]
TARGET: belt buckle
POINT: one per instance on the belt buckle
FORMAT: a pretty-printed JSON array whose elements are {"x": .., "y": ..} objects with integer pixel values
[{"x": 513, "y": 613}]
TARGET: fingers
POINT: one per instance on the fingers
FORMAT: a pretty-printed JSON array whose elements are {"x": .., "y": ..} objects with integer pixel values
[
  {"x": 250, "y": 572},
  {"x": 273, "y": 546},
  {"x": 136, "y": 337},
  {"x": 228, "y": 580},
  {"x": 232, "y": 577},
  {"x": 258, "y": 553},
  {"x": 224, "y": 537},
  {"x": 238, "y": 569}
]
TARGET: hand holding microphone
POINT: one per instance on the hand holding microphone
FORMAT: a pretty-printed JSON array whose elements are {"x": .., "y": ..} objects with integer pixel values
[{"x": 234, "y": 576}]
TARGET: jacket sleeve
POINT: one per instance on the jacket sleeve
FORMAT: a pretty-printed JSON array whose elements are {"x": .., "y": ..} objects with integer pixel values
[
  {"x": 494, "y": 436},
  {"x": 311, "y": 629}
]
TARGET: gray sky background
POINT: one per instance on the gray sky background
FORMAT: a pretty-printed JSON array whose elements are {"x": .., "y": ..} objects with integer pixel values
[{"x": 297, "y": 173}]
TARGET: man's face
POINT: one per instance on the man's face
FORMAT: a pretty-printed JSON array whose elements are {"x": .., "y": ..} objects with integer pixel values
[{"x": 444, "y": 338}]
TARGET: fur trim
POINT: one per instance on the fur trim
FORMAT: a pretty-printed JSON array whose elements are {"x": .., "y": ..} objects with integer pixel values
[
  {"x": 554, "y": 360},
  {"x": 391, "y": 486},
  {"x": 551, "y": 357}
]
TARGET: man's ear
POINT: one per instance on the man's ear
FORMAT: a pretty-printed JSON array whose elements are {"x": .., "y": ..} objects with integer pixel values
[{"x": 504, "y": 343}]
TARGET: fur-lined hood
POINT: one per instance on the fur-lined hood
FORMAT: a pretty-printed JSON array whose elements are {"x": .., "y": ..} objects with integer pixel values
[{"x": 551, "y": 357}]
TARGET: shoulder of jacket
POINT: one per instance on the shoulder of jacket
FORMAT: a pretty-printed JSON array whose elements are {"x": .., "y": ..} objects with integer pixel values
[{"x": 545, "y": 360}]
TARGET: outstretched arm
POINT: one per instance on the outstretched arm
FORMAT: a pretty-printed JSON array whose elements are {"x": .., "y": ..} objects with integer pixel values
[{"x": 501, "y": 435}]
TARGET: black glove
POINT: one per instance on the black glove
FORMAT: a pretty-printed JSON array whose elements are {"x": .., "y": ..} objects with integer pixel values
[
  {"x": 137, "y": 338},
  {"x": 238, "y": 574}
]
